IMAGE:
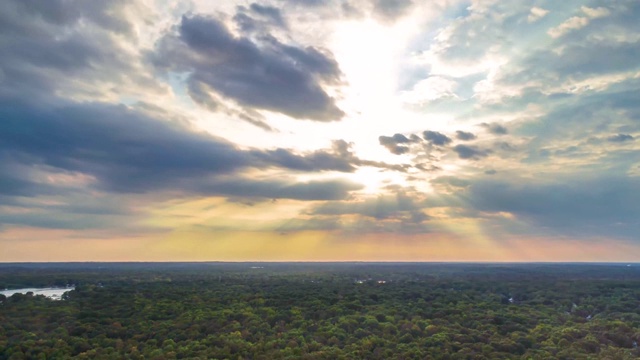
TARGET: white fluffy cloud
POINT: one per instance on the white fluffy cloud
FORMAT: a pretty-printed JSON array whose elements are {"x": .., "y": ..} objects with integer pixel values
[
  {"x": 536, "y": 13},
  {"x": 578, "y": 22}
]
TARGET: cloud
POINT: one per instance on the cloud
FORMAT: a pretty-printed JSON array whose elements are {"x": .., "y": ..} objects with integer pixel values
[
  {"x": 110, "y": 15},
  {"x": 464, "y": 136},
  {"x": 204, "y": 96},
  {"x": 71, "y": 47},
  {"x": 425, "y": 167},
  {"x": 342, "y": 149},
  {"x": 584, "y": 117},
  {"x": 536, "y": 13},
  {"x": 604, "y": 205},
  {"x": 73, "y": 156},
  {"x": 593, "y": 13},
  {"x": 451, "y": 182},
  {"x": 22, "y": 180},
  {"x": 594, "y": 58},
  {"x": 469, "y": 152},
  {"x": 517, "y": 75},
  {"x": 397, "y": 212},
  {"x": 269, "y": 12},
  {"x": 257, "y": 19},
  {"x": 256, "y": 73},
  {"x": 393, "y": 143},
  {"x": 573, "y": 23},
  {"x": 474, "y": 43},
  {"x": 319, "y": 160},
  {"x": 436, "y": 138},
  {"x": 504, "y": 146},
  {"x": 578, "y": 22},
  {"x": 620, "y": 138},
  {"x": 75, "y": 208},
  {"x": 429, "y": 90},
  {"x": 391, "y": 9},
  {"x": 125, "y": 150},
  {"x": 495, "y": 128},
  {"x": 381, "y": 207},
  {"x": 311, "y": 190},
  {"x": 306, "y": 3},
  {"x": 401, "y": 139}
]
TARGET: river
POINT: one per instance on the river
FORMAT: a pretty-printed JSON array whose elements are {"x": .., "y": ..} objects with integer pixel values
[{"x": 50, "y": 292}]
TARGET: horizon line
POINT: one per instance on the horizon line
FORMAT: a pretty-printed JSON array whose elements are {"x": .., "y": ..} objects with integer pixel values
[{"x": 315, "y": 262}]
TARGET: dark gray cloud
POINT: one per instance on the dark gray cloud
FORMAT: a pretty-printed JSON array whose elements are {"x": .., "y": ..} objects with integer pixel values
[
  {"x": 470, "y": 152},
  {"x": 269, "y": 12},
  {"x": 314, "y": 161},
  {"x": 464, "y": 136},
  {"x": 204, "y": 96},
  {"x": 246, "y": 23},
  {"x": 427, "y": 167},
  {"x": 503, "y": 146},
  {"x": 282, "y": 189},
  {"x": 255, "y": 73},
  {"x": 391, "y": 9},
  {"x": 77, "y": 208},
  {"x": 125, "y": 150},
  {"x": 395, "y": 143},
  {"x": 603, "y": 205},
  {"x": 53, "y": 220},
  {"x": 258, "y": 18},
  {"x": 109, "y": 15},
  {"x": 339, "y": 158},
  {"x": 401, "y": 139},
  {"x": 342, "y": 149},
  {"x": 17, "y": 180},
  {"x": 392, "y": 147},
  {"x": 53, "y": 46},
  {"x": 620, "y": 138},
  {"x": 495, "y": 128},
  {"x": 307, "y": 3},
  {"x": 436, "y": 138}
]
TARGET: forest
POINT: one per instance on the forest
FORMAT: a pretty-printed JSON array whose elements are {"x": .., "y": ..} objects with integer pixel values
[{"x": 322, "y": 311}]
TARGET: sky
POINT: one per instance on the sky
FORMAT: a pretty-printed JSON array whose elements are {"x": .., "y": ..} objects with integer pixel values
[{"x": 319, "y": 130}]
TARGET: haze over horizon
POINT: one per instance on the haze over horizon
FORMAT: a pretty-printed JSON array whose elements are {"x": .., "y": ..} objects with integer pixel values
[{"x": 337, "y": 130}]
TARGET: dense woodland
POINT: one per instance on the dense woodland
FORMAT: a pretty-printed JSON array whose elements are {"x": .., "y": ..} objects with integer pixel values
[{"x": 322, "y": 311}]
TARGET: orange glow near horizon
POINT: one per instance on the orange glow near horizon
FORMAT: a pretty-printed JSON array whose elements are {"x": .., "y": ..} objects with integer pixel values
[{"x": 20, "y": 245}]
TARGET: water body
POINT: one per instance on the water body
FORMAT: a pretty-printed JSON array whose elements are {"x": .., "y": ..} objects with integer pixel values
[{"x": 50, "y": 292}]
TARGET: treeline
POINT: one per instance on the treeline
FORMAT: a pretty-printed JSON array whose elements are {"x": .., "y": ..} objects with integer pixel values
[{"x": 330, "y": 312}]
